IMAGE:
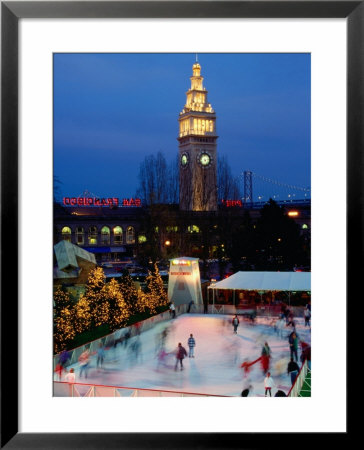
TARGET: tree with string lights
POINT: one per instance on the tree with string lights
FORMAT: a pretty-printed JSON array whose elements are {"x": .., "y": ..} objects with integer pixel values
[
  {"x": 129, "y": 292},
  {"x": 118, "y": 312},
  {"x": 82, "y": 315},
  {"x": 95, "y": 295},
  {"x": 63, "y": 325},
  {"x": 155, "y": 289}
]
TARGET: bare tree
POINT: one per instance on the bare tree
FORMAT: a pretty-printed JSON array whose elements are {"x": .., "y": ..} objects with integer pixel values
[
  {"x": 152, "y": 179},
  {"x": 228, "y": 186}
]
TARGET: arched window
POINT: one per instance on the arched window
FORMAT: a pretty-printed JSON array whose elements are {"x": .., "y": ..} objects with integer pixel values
[
  {"x": 105, "y": 236},
  {"x": 130, "y": 235},
  {"x": 80, "y": 236},
  {"x": 193, "y": 229},
  {"x": 66, "y": 234},
  {"x": 142, "y": 238},
  {"x": 304, "y": 226},
  {"x": 92, "y": 236},
  {"x": 118, "y": 235}
]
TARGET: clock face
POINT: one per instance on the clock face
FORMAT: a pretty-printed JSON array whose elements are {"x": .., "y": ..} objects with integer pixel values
[
  {"x": 184, "y": 159},
  {"x": 205, "y": 159}
]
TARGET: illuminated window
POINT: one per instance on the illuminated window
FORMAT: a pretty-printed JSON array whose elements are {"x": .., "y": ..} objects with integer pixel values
[
  {"x": 193, "y": 229},
  {"x": 118, "y": 235},
  {"x": 80, "y": 236},
  {"x": 171, "y": 229},
  {"x": 130, "y": 235},
  {"x": 142, "y": 238},
  {"x": 92, "y": 236},
  {"x": 66, "y": 234},
  {"x": 304, "y": 226},
  {"x": 105, "y": 236}
]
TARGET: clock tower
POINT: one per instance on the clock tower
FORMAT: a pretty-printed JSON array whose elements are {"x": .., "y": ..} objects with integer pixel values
[{"x": 197, "y": 149}]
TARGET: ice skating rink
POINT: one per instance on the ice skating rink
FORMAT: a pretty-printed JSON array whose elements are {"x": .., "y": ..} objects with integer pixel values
[{"x": 215, "y": 369}]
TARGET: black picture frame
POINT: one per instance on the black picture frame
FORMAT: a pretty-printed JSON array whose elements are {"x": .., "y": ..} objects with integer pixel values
[{"x": 11, "y": 12}]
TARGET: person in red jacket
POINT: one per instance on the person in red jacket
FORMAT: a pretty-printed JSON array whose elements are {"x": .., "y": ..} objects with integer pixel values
[{"x": 180, "y": 354}]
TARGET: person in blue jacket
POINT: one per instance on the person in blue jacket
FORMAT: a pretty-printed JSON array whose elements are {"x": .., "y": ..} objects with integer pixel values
[{"x": 191, "y": 345}]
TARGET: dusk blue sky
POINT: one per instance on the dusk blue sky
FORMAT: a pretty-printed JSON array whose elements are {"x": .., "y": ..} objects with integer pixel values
[{"x": 111, "y": 110}]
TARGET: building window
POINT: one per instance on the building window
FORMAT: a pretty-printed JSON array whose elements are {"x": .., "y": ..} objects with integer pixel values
[
  {"x": 304, "y": 226},
  {"x": 66, "y": 234},
  {"x": 92, "y": 236},
  {"x": 105, "y": 236},
  {"x": 118, "y": 235},
  {"x": 130, "y": 235},
  {"x": 80, "y": 236},
  {"x": 142, "y": 238},
  {"x": 193, "y": 229}
]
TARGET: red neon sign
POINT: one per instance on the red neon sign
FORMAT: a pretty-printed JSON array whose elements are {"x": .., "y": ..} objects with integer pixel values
[
  {"x": 96, "y": 201},
  {"x": 232, "y": 203}
]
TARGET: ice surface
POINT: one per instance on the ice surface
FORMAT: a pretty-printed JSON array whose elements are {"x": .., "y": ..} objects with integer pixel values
[{"x": 215, "y": 369}]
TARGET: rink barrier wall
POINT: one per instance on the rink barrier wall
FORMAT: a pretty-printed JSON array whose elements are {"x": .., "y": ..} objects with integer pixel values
[
  {"x": 109, "y": 339},
  {"x": 261, "y": 311},
  {"x": 64, "y": 389},
  {"x": 300, "y": 379}
]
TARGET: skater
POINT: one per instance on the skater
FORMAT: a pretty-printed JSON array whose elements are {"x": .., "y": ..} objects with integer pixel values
[
  {"x": 235, "y": 323},
  {"x": 290, "y": 320},
  {"x": 280, "y": 326},
  {"x": 293, "y": 345},
  {"x": 84, "y": 361},
  {"x": 59, "y": 370},
  {"x": 268, "y": 384},
  {"x": 180, "y": 354},
  {"x": 100, "y": 356},
  {"x": 70, "y": 377},
  {"x": 63, "y": 358},
  {"x": 126, "y": 338},
  {"x": 172, "y": 310},
  {"x": 190, "y": 306},
  {"x": 293, "y": 369},
  {"x": 307, "y": 316},
  {"x": 265, "y": 358},
  {"x": 191, "y": 345}
]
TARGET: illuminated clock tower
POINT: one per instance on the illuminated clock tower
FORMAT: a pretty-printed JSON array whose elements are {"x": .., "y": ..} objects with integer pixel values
[{"x": 197, "y": 149}]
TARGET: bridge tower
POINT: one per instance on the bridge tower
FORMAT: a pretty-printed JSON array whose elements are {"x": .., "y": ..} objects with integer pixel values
[{"x": 248, "y": 187}]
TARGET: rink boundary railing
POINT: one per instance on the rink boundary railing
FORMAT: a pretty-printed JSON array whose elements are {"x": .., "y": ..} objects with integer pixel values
[
  {"x": 64, "y": 389},
  {"x": 300, "y": 379}
]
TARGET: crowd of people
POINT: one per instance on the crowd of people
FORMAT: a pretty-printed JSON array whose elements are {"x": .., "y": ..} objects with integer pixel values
[{"x": 286, "y": 322}]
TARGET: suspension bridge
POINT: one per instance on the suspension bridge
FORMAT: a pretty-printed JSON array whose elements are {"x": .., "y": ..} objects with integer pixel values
[{"x": 258, "y": 189}]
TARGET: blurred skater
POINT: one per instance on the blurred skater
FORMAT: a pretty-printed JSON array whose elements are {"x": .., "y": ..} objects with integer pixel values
[
  {"x": 100, "y": 356},
  {"x": 235, "y": 323},
  {"x": 268, "y": 384},
  {"x": 265, "y": 358},
  {"x": 191, "y": 345},
  {"x": 84, "y": 361},
  {"x": 293, "y": 345},
  {"x": 292, "y": 370},
  {"x": 307, "y": 316},
  {"x": 70, "y": 378},
  {"x": 180, "y": 354},
  {"x": 172, "y": 310}
]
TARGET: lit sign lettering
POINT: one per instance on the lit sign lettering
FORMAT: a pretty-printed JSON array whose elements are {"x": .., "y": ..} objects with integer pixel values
[
  {"x": 181, "y": 262},
  {"x": 132, "y": 202},
  {"x": 180, "y": 273},
  {"x": 232, "y": 203},
  {"x": 96, "y": 201}
]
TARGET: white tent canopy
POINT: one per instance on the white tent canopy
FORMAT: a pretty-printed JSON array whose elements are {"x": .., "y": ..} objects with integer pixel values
[{"x": 266, "y": 281}]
